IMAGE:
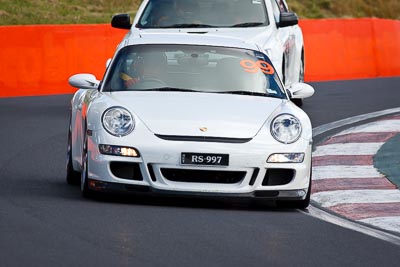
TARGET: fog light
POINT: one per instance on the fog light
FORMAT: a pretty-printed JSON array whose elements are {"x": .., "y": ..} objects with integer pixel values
[
  {"x": 286, "y": 158},
  {"x": 118, "y": 151},
  {"x": 302, "y": 193}
]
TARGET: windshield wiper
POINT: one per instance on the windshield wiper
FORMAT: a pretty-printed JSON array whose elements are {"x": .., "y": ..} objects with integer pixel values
[
  {"x": 248, "y": 24},
  {"x": 171, "y": 89},
  {"x": 242, "y": 93},
  {"x": 188, "y": 25},
  {"x": 249, "y": 93}
]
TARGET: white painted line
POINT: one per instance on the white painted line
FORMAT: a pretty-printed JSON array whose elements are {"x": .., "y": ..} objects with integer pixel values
[
  {"x": 341, "y": 171},
  {"x": 332, "y": 218},
  {"x": 347, "y": 149},
  {"x": 387, "y": 223},
  {"x": 333, "y": 198},
  {"x": 375, "y": 127},
  {"x": 319, "y": 213},
  {"x": 336, "y": 124}
]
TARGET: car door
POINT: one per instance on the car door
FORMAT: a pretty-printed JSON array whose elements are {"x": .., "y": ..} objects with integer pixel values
[{"x": 286, "y": 36}]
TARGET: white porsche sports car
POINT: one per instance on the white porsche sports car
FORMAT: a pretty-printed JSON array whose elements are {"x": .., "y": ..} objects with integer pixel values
[
  {"x": 193, "y": 115},
  {"x": 268, "y": 23}
]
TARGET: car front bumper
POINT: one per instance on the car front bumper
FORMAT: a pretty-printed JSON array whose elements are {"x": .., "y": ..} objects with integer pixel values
[{"x": 158, "y": 170}]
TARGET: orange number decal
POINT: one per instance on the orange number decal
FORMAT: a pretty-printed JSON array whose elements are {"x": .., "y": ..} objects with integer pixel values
[
  {"x": 254, "y": 67},
  {"x": 265, "y": 67},
  {"x": 249, "y": 65}
]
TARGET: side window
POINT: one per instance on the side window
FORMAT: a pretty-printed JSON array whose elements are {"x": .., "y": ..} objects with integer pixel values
[
  {"x": 145, "y": 19},
  {"x": 282, "y": 6},
  {"x": 276, "y": 10}
]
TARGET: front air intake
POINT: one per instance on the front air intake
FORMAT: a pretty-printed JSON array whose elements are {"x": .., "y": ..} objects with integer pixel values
[
  {"x": 203, "y": 176},
  {"x": 126, "y": 170},
  {"x": 278, "y": 177}
]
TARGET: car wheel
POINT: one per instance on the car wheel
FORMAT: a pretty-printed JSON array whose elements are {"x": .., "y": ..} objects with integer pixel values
[
  {"x": 84, "y": 174},
  {"x": 72, "y": 176},
  {"x": 302, "y": 204},
  {"x": 298, "y": 102}
]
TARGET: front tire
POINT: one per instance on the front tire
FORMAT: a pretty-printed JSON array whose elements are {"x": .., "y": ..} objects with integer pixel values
[
  {"x": 298, "y": 102},
  {"x": 72, "y": 176},
  {"x": 303, "y": 204},
  {"x": 298, "y": 204},
  {"x": 84, "y": 174}
]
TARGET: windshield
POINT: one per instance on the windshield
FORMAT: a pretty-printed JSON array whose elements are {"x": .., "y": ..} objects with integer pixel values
[
  {"x": 206, "y": 13},
  {"x": 193, "y": 68}
]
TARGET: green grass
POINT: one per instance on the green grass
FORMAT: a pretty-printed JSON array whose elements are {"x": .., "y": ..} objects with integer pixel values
[
  {"x": 389, "y": 9},
  {"x": 16, "y": 12}
]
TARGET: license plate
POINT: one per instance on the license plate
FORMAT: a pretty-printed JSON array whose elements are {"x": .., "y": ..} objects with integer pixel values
[{"x": 204, "y": 159}]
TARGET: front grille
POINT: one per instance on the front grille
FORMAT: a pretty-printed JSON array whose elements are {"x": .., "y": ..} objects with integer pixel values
[
  {"x": 278, "y": 176},
  {"x": 126, "y": 170},
  {"x": 203, "y": 176}
]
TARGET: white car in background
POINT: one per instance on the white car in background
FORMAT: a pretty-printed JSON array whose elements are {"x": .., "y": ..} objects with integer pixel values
[
  {"x": 193, "y": 115},
  {"x": 267, "y": 23}
]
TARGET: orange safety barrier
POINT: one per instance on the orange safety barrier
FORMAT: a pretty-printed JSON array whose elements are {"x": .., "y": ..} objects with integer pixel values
[
  {"x": 39, "y": 59},
  {"x": 338, "y": 49}
]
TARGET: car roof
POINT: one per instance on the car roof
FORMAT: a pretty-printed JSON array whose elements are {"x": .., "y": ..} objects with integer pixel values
[{"x": 191, "y": 38}]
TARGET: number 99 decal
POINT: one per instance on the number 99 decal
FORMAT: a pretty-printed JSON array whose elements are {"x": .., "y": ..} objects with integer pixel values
[{"x": 255, "y": 66}]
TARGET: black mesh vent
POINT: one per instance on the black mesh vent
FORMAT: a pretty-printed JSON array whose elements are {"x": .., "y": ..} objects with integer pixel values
[
  {"x": 278, "y": 176},
  {"x": 126, "y": 170},
  {"x": 203, "y": 176}
]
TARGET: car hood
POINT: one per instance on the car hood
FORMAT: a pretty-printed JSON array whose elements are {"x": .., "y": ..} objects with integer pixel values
[
  {"x": 258, "y": 35},
  {"x": 184, "y": 113}
]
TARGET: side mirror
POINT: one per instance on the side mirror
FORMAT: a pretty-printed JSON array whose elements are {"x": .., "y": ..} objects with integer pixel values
[
  {"x": 301, "y": 90},
  {"x": 121, "y": 21},
  {"x": 84, "y": 81},
  {"x": 288, "y": 19}
]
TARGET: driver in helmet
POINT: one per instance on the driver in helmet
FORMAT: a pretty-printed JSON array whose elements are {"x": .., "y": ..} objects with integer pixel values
[{"x": 146, "y": 66}]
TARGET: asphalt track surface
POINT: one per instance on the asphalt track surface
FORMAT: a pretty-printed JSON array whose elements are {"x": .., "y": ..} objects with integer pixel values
[{"x": 45, "y": 222}]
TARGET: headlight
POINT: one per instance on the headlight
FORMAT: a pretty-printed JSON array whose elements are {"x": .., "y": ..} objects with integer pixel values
[
  {"x": 118, "y": 121},
  {"x": 286, "y": 128}
]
